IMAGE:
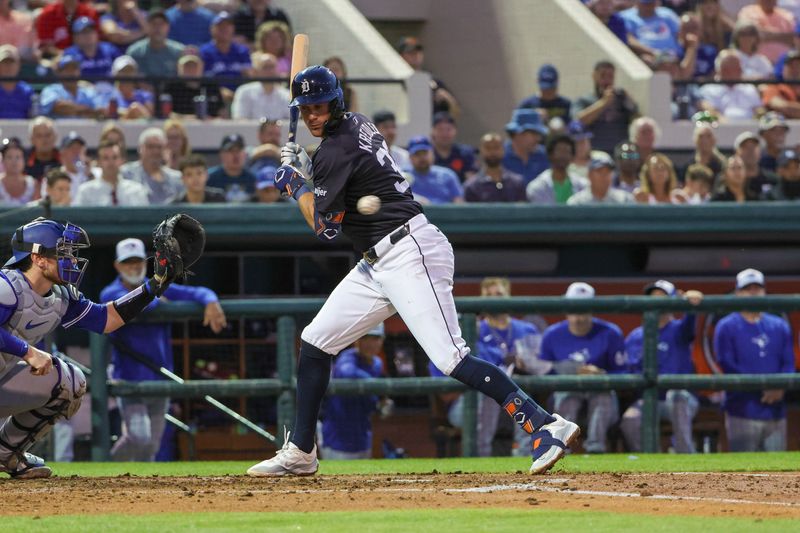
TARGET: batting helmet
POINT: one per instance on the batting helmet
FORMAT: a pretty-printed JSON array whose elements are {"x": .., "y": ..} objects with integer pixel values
[
  {"x": 53, "y": 240},
  {"x": 317, "y": 85}
]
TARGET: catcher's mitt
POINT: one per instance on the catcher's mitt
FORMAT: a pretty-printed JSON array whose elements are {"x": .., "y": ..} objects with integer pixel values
[{"x": 178, "y": 241}]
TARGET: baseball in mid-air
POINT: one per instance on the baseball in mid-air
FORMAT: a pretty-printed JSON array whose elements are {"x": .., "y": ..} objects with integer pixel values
[{"x": 368, "y": 205}]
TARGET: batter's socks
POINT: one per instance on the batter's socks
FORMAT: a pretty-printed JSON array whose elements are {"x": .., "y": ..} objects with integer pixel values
[
  {"x": 313, "y": 375},
  {"x": 493, "y": 382}
]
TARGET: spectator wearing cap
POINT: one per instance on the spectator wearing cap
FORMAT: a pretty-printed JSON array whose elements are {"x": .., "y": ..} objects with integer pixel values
[
  {"x": 386, "y": 123},
  {"x": 733, "y": 187},
  {"x": 16, "y": 187},
  {"x": 431, "y": 184},
  {"x": 189, "y": 23},
  {"x": 252, "y": 14},
  {"x": 493, "y": 183},
  {"x": 548, "y": 102},
  {"x": 53, "y": 25},
  {"x": 785, "y": 98},
  {"x": 658, "y": 180},
  {"x": 110, "y": 189},
  {"x": 788, "y": 186},
  {"x": 266, "y": 192},
  {"x": 605, "y": 11},
  {"x": 698, "y": 182},
  {"x": 772, "y": 127},
  {"x": 58, "y": 187},
  {"x": 231, "y": 175},
  {"x": 628, "y": 163},
  {"x": 44, "y": 154},
  {"x": 222, "y": 56},
  {"x": 413, "y": 52},
  {"x": 583, "y": 149},
  {"x": 261, "y": 99},
  {"x": 555, "y": 185},
  {"x": 675, "y": 339},
  {"x": 163, "y": 184},
  {"x": 156, "y": 55},
  {"x": 777, "y": 70},
  {"x": 186, "y": 93},
  {"x": 460, "y": 158},
  {"x": 268, "y": 151},
  {"x": 758, "y": 180},
  {"x": 96, "y": 56},
  {"x": 705, "y": 149},
  {"x": 15, "y": 96},
  {"x": 599, "y": 191},
  {"x": 651, "y": 28},
  {"x": 776, "y": 26},
  {"x": 16, "y": 29},
  {"x": 607, "y": 110},
  {"x": 524, "y": 153},
  {"x": 194, "y": 175},
  {"x": 730, "y": 101},
  {"x": 346, "y": 427},
  {"x": 586, "y": 345},
  {"x": 70, "y": 98},
  {"x": 132, "y": 102},
  {"x": 745, "y": 41},
  {"x": 74, "y": 162},
  {"x": 748, "y": 342},
  {"x": 644, "y": 133},
  {"x": 123, "y": 24}
]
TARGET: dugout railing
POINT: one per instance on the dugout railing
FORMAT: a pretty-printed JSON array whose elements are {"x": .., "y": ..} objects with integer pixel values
[{"x": 282, "y": 387}]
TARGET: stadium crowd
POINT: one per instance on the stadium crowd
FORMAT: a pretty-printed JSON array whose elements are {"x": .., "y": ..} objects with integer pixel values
[{"x": 116, "y": 61}]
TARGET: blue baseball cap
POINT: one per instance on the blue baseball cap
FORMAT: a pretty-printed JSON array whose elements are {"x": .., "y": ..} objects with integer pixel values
[
  {"x": 548, "y": 77},
  {"x": 600, "y": 160},
  {"x": 577, "y": 131},
  {"x": 82, "y": 23},
  {"x": 266, "y": 177},
  {"x": 526, "y": 120},
  {"x": 663, "y": 285},
  {"x": 221, "y": 17},
  {"x": 68, "y": 59},
  {"x": 418, "y": 144}
]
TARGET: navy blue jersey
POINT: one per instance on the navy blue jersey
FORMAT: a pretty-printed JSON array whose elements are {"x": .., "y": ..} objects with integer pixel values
[{"x": 354, "y": 161}]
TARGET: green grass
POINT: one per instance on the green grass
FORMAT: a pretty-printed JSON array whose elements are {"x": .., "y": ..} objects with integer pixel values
[
  {"x": 471, "y": 520},
  {"x": 729, "y": 462}
]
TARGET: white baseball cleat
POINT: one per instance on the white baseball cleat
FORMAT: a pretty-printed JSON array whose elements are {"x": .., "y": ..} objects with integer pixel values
[
  {"x": 550, "y": 443},
  {"x": 31, "y": 467},
  {"x": 288, "y": 461}
]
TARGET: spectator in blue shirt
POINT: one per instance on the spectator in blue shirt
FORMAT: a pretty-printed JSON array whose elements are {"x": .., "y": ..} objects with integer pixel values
[
  {"x": 96, "y": 56},
  {"x": 431, "y": 184},
  {"x": 524, "y": 153},
  {"x": 132, "y": 101},
  {"x": 222, "y": 57},
  {"x": 346, "y": 425},
  {"x": 675, "y": 338},
  {"x": 189, "y": 23},
  {"x": 15, "y": 96},
  {"x": 143, "y": 418},
  {"x": 548, "y": 102},
  {"x": 231, "y": 175},
  {"x": 604, "y": 10},
  {"x": 69, "y": 98},
  {"x": 652, "y": 28},
  {"x": 460, "y": 158},
  {"x": 585, "y": 345},
  {"x": 754, "y": 343}
]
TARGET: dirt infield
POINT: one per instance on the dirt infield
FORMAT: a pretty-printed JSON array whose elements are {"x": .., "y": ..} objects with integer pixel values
[{"x": 769, "y": 495}]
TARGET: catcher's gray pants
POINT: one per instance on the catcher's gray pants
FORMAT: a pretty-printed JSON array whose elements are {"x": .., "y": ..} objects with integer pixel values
[
  {"x": 602, "y": 413},
  {"x": 680, "y": 407},
  {"x": 749, "y": 435},
  {"x": 143, "y": 422}
]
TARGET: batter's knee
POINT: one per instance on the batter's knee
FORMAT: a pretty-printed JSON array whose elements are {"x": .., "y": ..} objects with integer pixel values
[{"x": 309, "y": 350}]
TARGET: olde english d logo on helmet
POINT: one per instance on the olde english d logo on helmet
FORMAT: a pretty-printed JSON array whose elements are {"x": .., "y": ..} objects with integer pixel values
[{"x": 305, "y": 86}]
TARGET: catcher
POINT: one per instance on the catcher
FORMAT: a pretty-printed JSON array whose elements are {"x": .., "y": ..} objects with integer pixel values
[{"x": 39, "y": 292}]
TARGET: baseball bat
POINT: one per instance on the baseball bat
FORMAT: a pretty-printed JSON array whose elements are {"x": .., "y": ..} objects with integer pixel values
[{"x": 299, "y": 62}]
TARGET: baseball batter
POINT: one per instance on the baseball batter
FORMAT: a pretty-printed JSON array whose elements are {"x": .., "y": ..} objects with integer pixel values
[
  {"x": 407, "y": 268},
  {"x": 39, "y": 292}
]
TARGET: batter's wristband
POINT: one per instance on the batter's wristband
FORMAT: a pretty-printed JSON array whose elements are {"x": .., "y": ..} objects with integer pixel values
[
  {"x": 129, "y": 306},
  {"x": 300, "y": 191}
]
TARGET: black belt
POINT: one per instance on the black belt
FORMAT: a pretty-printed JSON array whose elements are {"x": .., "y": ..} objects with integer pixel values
[{"x": 371, "y": 256}]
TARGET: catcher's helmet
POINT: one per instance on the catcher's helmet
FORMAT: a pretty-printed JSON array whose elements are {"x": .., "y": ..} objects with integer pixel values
[
  {"x": 54, "y": 240},
  {"x": 317, "y": 85}
]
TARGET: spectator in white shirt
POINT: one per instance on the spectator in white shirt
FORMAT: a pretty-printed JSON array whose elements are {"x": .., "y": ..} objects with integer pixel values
[
  {"x": 737, "y": 101},
  {"x": 261, "y": 99},
  {"x": 111, "y": 189},
  {"x": 745, "y": 41}
]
